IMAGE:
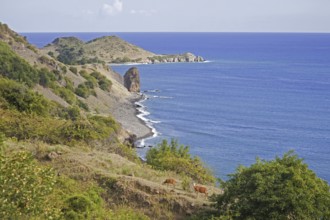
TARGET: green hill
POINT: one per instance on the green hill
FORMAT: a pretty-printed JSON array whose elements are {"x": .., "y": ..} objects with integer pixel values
[{"x": 108, "y": 49}]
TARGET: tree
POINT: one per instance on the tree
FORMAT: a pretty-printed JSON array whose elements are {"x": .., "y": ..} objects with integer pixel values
[{"x": 284, "y": 188}]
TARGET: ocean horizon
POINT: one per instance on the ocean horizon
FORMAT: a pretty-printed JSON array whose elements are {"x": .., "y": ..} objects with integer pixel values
[{"x": 260, "y": 95}]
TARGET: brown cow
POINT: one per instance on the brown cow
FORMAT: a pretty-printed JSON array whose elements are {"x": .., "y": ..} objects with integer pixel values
[
  {"x": 170, "y": 181},
  {"x": 200, "y": 189}
]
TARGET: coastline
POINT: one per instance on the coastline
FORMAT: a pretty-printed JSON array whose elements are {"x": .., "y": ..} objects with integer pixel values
[
  {"x": 141, "y": 112},
  {"x": 138, "y": 113}
]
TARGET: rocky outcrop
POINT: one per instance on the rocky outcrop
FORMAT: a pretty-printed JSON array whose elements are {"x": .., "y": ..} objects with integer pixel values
[
  {"x": 132, "y": 80},
  {"x": 181, "y": 58}
]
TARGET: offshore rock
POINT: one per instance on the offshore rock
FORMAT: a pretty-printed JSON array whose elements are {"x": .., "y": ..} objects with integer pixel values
[{"x": 132, "y": 80}]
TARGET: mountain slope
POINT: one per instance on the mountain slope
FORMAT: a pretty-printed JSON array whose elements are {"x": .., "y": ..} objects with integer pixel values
[
  {"x": 57, "y": 133},
  {"x": 72, "y": 85},
  {"x": 108, "y": 49}
]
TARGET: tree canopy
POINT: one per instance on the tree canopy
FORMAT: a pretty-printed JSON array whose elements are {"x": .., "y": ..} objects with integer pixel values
[{"x": 283, "y": 188}]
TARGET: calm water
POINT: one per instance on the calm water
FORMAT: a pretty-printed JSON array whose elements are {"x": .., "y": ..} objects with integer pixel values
[{"x": 260, "y": 95}]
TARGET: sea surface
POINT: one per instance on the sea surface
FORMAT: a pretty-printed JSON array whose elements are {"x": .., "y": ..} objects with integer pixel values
[{"x": 259, "y": 95}]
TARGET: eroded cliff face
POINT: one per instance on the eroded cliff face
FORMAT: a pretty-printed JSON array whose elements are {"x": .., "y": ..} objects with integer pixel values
[{"x": 132, "y": 80}]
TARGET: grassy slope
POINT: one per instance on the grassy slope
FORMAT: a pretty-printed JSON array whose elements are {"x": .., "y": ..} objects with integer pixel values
[
  {"x": 123, "y": 181},
  {"x": 105, "y": 49}
]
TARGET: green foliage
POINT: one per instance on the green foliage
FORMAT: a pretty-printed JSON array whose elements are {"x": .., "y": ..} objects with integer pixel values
[
  {"x": 66, "y": 94},
  {"x": 82, "y": 105},
  {"x": 69, "y": 84},
  {"x": 19, "y": 97},
  {"x": 284, "y": 188},
  {"x": 104, "y": 83},
  {"x": 64, "y": 69},
  {"x": 78, "y": 207},
  {"x": 24, "y": 188},
  {"x": 2, "y": 140},
  {"x": 122, "y": 60},
  {"x": 78, "y": 200},
  {"x": 46, "y": 60},
  {"x": 50, "y": 53},
  {"x": 177, "y": 158},
  {"x": 73, "y": 113},
  {"x": 68, "y": 55},
  {"x": 57, "y": 131},
  {"x": 91, "y": 81},
  {"x": 74, "y": 54},
  {"x": 73, "y": 69},
  {"x": 46, "y": 78},
  {"x": 82, "y": 90},
  {"x": 186, "y": 181},
  {"x": 14, "y": 67}
]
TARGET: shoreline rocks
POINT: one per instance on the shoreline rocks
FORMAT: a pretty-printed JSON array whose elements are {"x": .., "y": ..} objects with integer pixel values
[{"x": 181, "y": 58}]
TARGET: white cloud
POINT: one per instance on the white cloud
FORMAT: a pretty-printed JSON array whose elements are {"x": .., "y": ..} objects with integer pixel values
[
  {"x": 143, "y": 12},
  {"x": 112, "y": 9}
]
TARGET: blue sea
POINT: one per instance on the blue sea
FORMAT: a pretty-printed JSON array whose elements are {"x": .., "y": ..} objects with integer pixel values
[{"x": 259, "y": 95}]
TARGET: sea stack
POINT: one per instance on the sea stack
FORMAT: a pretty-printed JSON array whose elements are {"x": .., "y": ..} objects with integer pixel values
[{"x": 132, "y": 80}]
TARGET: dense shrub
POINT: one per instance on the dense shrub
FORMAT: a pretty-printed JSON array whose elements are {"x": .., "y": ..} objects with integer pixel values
[
  {"x": 50, "y": 53},
  {"x": 177, "y": 158},
  {"x": 73, "y": 69},
  {"x": 21, "y": 98},
  {"x": 82, "y": 90},
  {"x": 82, "y": 105},
  {"x": 14, "y": 67},
  {"x": 67, "y": 95},
  {"x": 57, "y": 131},
  {"x": 284, "y": 188},
  {"x": 104, "y": 83},
  {"x": 49, "y": 78},
  {"x": 25, "y": 187}
]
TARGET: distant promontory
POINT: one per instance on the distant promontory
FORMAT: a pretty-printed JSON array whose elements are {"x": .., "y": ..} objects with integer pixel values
[{"x": 109, "y": 49}]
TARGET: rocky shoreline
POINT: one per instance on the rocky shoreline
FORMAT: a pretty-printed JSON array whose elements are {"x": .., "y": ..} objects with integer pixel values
[{"x": 181, "y": 58}]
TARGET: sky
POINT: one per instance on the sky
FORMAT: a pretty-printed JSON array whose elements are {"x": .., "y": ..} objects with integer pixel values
[{"x": 166, "y": 15}]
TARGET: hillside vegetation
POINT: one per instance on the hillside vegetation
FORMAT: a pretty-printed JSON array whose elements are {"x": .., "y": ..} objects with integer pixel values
[
  {"x": 65, "y": 161},
  {"x": 64, "y": 156},
  {"x": 108, "y": 49}
]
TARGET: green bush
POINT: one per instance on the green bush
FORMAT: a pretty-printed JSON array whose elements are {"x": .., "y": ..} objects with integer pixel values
[
  {"x": 82, "y": 90},
  {"x": 21, "y": 98},
  {"x": 78, "y": 207},
  {"x": 284, "y": 188},
  {"x": 64, "y": 69},
  {"x": 82, "y": 105},
  {"x": 25, "y": 187},
  {"x": 14, "y": 67},
  {"x": 73, "y": 113},
  {"x": 67, "y": 95},
  {"x": 50, "y": 53},
  {"x": 69, "y": 84},
  {"x": 186, "y": 183},
  {"x": 2, "y": 140},
  {"x": 104, "y": 83},
  {"x": 177, "y": 158},
  {"x": 73, "y": 69}
]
